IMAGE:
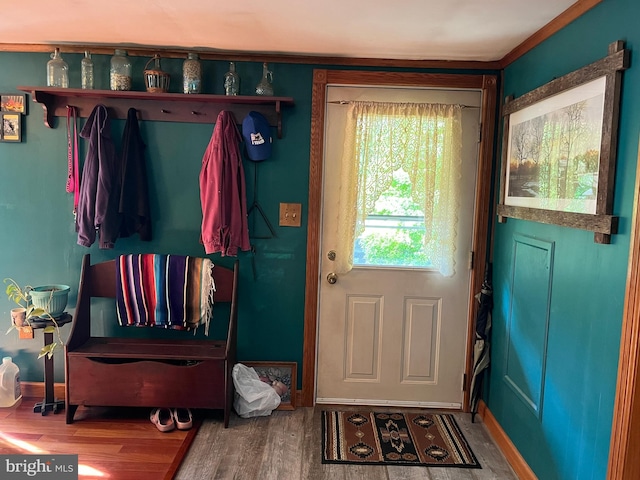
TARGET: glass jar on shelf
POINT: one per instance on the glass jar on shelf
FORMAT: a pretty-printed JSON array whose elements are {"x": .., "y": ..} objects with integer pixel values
[
  {"x": 57, "y": 71},
  {"x": 86, "y": 71},
  {"x": 191, "y": 74},
  {"x": 231, "y": 81},
  {"x": 265, "y": 87},
  {"x": 120, "y": 71}
]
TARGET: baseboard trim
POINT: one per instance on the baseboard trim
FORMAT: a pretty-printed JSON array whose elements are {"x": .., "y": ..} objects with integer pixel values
[
  {"x": 505, "y": 444},
  {"x": 36, "y": 390}
]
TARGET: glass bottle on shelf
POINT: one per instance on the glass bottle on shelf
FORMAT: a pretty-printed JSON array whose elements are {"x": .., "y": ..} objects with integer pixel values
[
  {"x": 57, "y": 71},
  {"x": 191, "y": 74},
  {"x": 265, "y": 87},
  {"x": 120, "y": 71},
  {"x": 231, "y": 81},
  {"x": 86, "y": 71}
]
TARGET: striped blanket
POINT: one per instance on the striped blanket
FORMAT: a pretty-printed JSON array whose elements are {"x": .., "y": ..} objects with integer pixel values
[{"x": 168, "y": 291}]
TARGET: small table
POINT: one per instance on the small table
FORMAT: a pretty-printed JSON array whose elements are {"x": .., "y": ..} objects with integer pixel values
[{"x": 49, "y": 402}]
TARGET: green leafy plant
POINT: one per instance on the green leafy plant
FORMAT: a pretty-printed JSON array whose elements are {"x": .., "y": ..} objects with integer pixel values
[
  {"x": 20, "y": 296},
  {"x": 401, "y": 241}
]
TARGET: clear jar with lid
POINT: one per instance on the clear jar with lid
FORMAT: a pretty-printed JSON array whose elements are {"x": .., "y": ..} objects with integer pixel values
[
  {"x": 120, "y": 71},
  {"x": 57, "y": 71},
  {"x": 192, "y": 74}
]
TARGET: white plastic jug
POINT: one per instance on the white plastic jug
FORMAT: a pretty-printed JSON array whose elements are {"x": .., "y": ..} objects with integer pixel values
[{"x": 10, "y": 393}]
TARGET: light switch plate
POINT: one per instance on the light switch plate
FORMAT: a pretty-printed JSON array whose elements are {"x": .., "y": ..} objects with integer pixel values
[{"x": 290, "y": 214}]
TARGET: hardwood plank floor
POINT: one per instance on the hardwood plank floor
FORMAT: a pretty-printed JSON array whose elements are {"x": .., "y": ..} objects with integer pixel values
[
  {"x": 114, "y": 444},
  {"x": 286, "y": 446}
]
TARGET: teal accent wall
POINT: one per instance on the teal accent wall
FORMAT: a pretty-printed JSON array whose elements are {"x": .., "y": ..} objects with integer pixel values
[
  {"x": 569, "y": 438},
  {"x": 38, "y": 243},
  {"x": 37, "y": 237},
  {"x": 573, "y": 363}
]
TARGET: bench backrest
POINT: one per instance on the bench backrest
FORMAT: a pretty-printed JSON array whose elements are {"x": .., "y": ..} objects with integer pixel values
[{"x": 99, "y": 280}]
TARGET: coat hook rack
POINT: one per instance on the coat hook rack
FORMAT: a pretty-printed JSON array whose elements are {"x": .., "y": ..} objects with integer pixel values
[{"x": 200, "y": 108}]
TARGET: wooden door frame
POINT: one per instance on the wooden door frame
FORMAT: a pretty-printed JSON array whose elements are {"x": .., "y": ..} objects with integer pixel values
[
  {"x": 624, "y": 461},
  {"x": 321, "y": 78}
]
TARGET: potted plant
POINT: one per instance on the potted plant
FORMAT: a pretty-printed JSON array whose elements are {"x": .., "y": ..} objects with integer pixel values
[{"x": 45, "y": 302}]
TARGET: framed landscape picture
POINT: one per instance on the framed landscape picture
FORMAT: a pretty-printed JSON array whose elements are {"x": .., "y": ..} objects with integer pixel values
[
  {"x": 559, "y": 149},
  {"x": 553, "y": 151},
  {"x": 279, "y": 375}
]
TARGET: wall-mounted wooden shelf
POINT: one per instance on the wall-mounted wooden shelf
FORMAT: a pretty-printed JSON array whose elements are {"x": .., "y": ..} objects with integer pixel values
[{"x": 163, "y": 107}]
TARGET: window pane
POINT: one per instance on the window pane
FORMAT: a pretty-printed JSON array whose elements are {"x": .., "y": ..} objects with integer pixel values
[{"x": 394, "y": 232}]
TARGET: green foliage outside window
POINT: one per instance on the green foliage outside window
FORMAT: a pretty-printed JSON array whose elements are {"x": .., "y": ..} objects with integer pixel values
[{"x": 397, "y": 240}]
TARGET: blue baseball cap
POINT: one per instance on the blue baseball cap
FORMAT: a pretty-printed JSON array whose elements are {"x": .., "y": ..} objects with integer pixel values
[{"x": 257, "y": 136}]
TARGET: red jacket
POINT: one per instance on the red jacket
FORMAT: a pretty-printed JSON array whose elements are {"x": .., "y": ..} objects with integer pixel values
[{"x": 222, "y": 191}]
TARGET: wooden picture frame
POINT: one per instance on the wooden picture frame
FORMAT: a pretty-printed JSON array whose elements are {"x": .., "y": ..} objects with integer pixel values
[
  {"x": 559, "y": 149},
  {"x": 10, "y": 127},
  {"x": 284, "y": 372},
  {"x": 13, "y": 102}
]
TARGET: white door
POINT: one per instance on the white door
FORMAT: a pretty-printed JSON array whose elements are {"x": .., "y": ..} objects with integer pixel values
[{"x": 394, "y": 335}]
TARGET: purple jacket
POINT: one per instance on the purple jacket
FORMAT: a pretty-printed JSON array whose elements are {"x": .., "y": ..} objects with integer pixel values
[
  {"x": 222, "y": 191},
  {"x": 97, "y": 207}
]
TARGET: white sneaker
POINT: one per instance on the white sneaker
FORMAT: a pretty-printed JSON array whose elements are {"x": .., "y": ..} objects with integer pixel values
[
  {"x": 182, "y": 418},
  {"x": 162, "y": 418}
]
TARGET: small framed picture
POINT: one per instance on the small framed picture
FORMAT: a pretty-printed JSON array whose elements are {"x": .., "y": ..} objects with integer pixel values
[
  {"x": 282, "y": 377},
  {"x": 11, "y": 127},
  {"x": 13, "y": 102}
]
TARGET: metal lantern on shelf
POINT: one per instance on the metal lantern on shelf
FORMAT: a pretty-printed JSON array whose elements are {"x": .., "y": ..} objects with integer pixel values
[{"x": 156, "y": 80}]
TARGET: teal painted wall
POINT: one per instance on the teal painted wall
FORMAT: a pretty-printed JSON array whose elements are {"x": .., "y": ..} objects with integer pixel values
[
  {"x": 37, "y": 237},
  {"x": 570, "y": 438}
]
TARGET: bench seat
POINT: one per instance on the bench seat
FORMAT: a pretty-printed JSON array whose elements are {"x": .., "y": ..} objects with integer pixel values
[{"x": 146, "y": 372}]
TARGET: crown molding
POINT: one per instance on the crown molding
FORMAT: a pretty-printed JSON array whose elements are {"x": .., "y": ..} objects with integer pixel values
[{"x": 565, "y": 18}]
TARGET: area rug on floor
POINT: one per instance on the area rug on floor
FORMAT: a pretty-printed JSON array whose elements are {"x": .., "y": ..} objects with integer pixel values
[{"x": 377, "y": 438}]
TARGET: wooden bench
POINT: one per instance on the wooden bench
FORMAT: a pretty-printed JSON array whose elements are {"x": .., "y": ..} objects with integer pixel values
[{"x": 142, "y": 372}]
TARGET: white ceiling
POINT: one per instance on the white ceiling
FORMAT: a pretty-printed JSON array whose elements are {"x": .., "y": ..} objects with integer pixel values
[{"x": 481, "y": 30}]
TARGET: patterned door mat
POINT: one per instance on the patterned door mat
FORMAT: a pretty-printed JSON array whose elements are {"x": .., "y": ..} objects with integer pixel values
[{"x": 376, "y": 438}]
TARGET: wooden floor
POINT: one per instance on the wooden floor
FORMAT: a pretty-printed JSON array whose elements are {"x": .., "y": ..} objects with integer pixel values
[
  {"x": 113, "y": 444},
  {"x": 283, "y": 446},
  {"x": 286, "y": 446}
]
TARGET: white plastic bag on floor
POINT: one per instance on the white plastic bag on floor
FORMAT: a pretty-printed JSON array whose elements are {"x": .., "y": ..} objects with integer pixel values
[{"x": 253, "y": 397}]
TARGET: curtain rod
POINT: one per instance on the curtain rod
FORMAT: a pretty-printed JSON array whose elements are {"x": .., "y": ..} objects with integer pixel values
[{"x": 347, "y": 102}]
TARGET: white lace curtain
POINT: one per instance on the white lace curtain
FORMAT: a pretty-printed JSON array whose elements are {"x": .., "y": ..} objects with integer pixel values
[{"x": 424, "y": 140}]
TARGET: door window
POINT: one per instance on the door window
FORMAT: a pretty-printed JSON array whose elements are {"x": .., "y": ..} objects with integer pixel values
[
  {"x": 399, "y": 193},
  {"x": 394, "y": 233}
]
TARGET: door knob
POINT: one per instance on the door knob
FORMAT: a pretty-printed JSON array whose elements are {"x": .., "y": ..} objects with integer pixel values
[{"x": 332, "y": 278}]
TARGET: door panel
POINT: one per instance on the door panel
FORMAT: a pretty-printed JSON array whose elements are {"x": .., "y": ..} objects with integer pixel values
[
  {"x": 421, "y": 327},
  {"x": 363, "y": 338},
  {"x": 390, "y": 335}
]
